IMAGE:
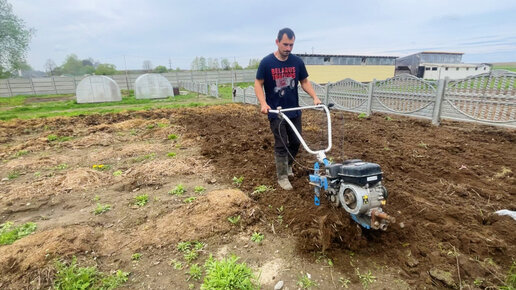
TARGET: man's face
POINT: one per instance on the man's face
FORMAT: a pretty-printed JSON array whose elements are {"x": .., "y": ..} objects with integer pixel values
[{"x": 285, "y": 45}]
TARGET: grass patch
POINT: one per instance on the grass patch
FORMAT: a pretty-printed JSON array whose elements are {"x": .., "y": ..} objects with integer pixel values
[
  {"x": 261, "y": 189},
  {"x": 199, "y": 189},
  {"x": 238, "y": 180},
  {"x": 71, "y": 276},
  {"x": 228, "y": 274},
  {"x": 9, "y": 234},
  {"x": 18, "y": 108}
]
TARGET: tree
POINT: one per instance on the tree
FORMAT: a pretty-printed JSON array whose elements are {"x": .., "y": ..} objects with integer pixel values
[
  {"x": 202, "y": 63},
  {"x": 253, "y": 63},
  {"x": 147, "y": 65},
  {"x": 106, "y": 69},
  {"x": 224, "y": 64},
  {"x": 160, "y": 69},
  {"x": 14, "y": 40},
  {"x": 50, "y": 67},
  {"x": 235, "y": 65}
]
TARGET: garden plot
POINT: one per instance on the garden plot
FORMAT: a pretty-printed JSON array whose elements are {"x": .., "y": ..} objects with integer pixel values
[{"x": 154, "y": 193}]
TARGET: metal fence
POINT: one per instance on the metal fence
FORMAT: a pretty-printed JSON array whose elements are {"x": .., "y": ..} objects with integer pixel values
[
  {"x": 488, "y": 98},
  {"x": 202, "y": 88},
  {"x": 68, "y": 85}
]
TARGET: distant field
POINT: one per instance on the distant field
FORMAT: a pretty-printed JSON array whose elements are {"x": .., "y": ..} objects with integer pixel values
[{"x": 510, "y": 66}]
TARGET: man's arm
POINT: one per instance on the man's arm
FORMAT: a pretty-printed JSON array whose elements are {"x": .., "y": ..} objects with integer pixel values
[
  {"x": 307, "y": 87},
  {"x": 258, "y": 90}
]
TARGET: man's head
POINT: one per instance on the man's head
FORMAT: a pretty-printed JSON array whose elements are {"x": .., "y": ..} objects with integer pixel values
[{"x": 285, "y": 42}]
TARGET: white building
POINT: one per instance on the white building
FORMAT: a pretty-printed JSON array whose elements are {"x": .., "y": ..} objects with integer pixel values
[
  {"x": 436, "y": 71},
  {"x": 438, "y": 65}
]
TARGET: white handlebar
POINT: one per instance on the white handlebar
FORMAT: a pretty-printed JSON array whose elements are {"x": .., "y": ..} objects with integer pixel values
[{"x": 320, "y": 153}]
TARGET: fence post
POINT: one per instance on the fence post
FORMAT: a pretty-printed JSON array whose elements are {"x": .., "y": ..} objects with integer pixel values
[
  {"x": 9, "y": 88},
  {"x": 54, "y": 83},
  {"x": 243, "y": 91},
  {"x": 369, "y": 109},
  {"x": 436, "y": 116},
  {"x": 32, "y": 85},
  {"x": 327, "y": 97}
]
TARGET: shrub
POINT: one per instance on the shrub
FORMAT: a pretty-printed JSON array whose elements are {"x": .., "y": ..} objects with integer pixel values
[{"x": 228, "y": 274}]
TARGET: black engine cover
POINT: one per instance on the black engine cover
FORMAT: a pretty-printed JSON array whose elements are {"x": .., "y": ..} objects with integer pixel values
[{"x": 359, "y": 172}]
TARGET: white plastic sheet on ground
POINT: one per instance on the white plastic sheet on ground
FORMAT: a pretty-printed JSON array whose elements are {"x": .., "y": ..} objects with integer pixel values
[
  {"x": 152, "y": 86},
  {"x": 98, "y": 89},
  {"x": 510, "y": 213}
]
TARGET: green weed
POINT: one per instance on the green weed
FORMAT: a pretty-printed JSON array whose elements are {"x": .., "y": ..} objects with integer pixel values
[
  {"x": 141, "y": 200},
  {"x": 149, "y": 156},
  {"x": 10, "y": 234},
  {"x": 171, "y": 154},
  {"x": 238, "y": 180},
  {"x": 13, "y": 174},
  {"x": 183, "y": 246},
  {"x": 178, "y": 265},
  {"x": 100, "y": 209},
  {"x": 61, "y": 166},
  {"x": 261, "y": 189},
  {"x": 228, "y": 274},
  {"x": 257, "y": 237},
  {"x": 117, "y": 173},
  {"x": 72, "y": 276},
  {"x": 101, "y": 167},
  {"x": 234, "y": 219},
  {"x": 510, "y": 280},
  {"x": 189, "y": 199},
  {"x": 136, "y": 256},
  {"x": 190, "y": 255},
  {"x": 21, "y": 153},
  {"x": 305, "y": 282},
  {"x": 362, "y": 116},
  {"x": 195, "y": 272},
  {"x": 172, "y": 137},
  {"x": 344, "y": 282},
  {"x": 388, "y": 118},
  {"x": 162, "y": 125},
  {"x": 178, "y": 190},
  {"x": 199, "y": 189},
  {"x": 365, "y": 279},
  {"x": 52, "y": 137}
]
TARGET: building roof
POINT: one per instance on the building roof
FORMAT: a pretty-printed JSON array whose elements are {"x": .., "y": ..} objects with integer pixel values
[
  {"x": 440, "y": 52},
  {"x": 342, "y": 55}
]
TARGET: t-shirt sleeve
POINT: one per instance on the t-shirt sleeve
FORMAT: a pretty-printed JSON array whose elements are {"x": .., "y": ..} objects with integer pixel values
[
  {"x": 303, "y": 74},
  {"x": 260, "y": 73}
]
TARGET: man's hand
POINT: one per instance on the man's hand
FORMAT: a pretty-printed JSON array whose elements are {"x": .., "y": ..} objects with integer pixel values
[
  {"x": 317, "y": 101},
  {"x": 265, "y": 109}
]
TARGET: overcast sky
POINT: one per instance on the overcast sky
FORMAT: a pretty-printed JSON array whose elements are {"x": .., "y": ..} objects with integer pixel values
[{"x": 176, "y": 32}]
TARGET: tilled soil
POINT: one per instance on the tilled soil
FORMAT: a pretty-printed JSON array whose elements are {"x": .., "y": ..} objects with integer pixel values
[{"x": 444, "y": 183}]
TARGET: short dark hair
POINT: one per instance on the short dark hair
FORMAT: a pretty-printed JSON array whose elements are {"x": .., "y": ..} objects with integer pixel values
[{"x": 290, "y": 34}]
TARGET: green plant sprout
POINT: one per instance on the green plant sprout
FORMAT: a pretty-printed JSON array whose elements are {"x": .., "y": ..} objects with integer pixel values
[
  {"x": 238, "y": 180},
  {"x": 141, "y": 200},
  {"x": 199, "y": 189},
  {"x": 306, "y": 282},
  {"x": 257, "y": 237},
  {"x": 234, "y": 219},
  {"x": 178, "y": 190},
  {"x": 136, "y": 256},
  {"x": 189, "y": 199},
  {"x": 195, "y": 272},
  {"x": 261, "y": 189},
  {"x": 100, "y": 209}
]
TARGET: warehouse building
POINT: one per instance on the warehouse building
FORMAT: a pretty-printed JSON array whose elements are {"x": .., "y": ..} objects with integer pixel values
[{"x": 324, "y": 68}]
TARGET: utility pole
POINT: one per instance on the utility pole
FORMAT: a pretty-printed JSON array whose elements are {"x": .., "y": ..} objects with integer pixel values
[{"x": 126, "y": 77}]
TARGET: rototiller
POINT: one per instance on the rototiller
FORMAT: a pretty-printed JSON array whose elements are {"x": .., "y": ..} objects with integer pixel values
[{"x": 355, "y": 185}]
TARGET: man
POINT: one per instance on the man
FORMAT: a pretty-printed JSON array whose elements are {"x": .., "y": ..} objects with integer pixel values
[{"x": 279, "y": 74}]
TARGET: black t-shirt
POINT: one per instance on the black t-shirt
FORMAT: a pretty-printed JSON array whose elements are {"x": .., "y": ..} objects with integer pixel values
[{"x": 281, "y": 79}]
